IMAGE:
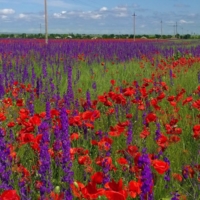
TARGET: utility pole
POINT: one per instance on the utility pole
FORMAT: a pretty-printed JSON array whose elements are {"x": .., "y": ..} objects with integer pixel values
[
  {"x": 46, "y": 21},
  {"x": 176, "y": 28},
  {"x": 40, "y": 29},
  {"x": 161, "y": 28},
  {"x": 134, "y": 25}
]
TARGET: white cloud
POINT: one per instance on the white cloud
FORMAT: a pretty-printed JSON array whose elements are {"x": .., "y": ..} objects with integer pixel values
[
  {"x": 103, "y": 9},
  {"x": 4, "y": 17},
  {"x": 7, "y": 11},
  {"x": 121, "y": 14},
  {"x": 60, "y": 15},
  {"x": 121, "y": 8},
  {"x": 182, "y": 21},
  {"x": 22, "y": 16},
  {"x": 95, "y": 16}
]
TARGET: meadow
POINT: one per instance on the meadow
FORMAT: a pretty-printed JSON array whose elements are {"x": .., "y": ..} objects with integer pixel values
[{"x": 99, "y": 119}]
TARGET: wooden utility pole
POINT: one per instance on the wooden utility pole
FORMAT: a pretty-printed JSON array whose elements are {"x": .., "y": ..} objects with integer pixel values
[
  {"x": 46, "y": 21},
  {"x": 134, "y": 26}
]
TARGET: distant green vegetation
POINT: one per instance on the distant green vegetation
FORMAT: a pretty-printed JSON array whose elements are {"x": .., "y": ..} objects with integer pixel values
[{"x": 95, "y": 36}]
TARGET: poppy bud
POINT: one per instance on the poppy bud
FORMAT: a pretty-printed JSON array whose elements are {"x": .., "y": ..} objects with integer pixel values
[{"x": 57, "y": 189}]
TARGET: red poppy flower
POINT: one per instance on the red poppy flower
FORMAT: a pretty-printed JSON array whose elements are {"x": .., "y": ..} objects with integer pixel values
[
  {"x": 174, "y": 139},
  {"x": 19, "y": 102},
  {"x": 77, "y": 189},
  {"x": 196, "y": 104},
  {"x": 177, "y": 177},
  {"x": 196, "y": 131},
  {"x": 74, "y": 136},
  {"x": 151, "y": 117},
  {"x": 188, "y": 170},
  {"x": 160, "y": 166},
  {"x": 144, "y": 133},
  {"x": 55, "y": 196},
  {"x": 187, "y": 100},
  {"x": 35, "y": 120},
  {"x": 90, "y": 191},
  {"x": 129, "y": 91},
  {"x": 116, "y": 187},
  {"x": 132, "y": 150},
  {"x": 2, "y": 117},
  {"x": 97, "y": 177},
  {"x": 122, "y": 161},
  {"x": 112, "y": 195},
  {"x": 11, "y": 124},
  {"x": 10, "y": 195},
  {"x": 113, "y": 82},
  {"x": 134, "y": 188},
  {"x": 84, "y": 160}
]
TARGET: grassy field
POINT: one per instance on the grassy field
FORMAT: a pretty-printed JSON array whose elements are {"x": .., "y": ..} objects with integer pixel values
[{"x": 100, "y": 119}]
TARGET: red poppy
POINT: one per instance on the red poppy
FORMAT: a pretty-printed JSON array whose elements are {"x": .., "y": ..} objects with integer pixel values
[
  {"x": 196, "y": 131},
  {"x": 10, "y": 195},
  {"x": 129, "y": 91},
  {"x": 74, "y": 136},
  {"x": 177, "y": 177},
  {"x": 77, "y": 189},
  {"x": 97, "y": 177},
  {"x": 188, "y": 171},
  {"x": 144, "y": 133},
  {"x": 187, "y": 100},
  {"x": 161, "y": 96},
  {"x": 132, "y": 150},
  {"x": 196, "y": 104},
  {"x": 174, "y": 139},
  {"x": 7, "y": 102},
  {"x": 84, "y": 160},
  {"x": 113, "y": 82},
  {"x": 122, "y": 161},
  {"x": 160, "y": 166},
  {"x": 151, "y": 117},
  {"x": 105, "y": 143},
  {"x": 2, "y": 117},
  {"x": 134, "y": 188},
  {"x": 56, "y": 196},
  {"x": 112, "y": 195},
  {"x": 116, "y": 187},
  {"x": 11, "y": 124},
  {"x": 129, "y": 116},
  {"x": 154, "y": 103},
  {"x": 35, "y": 120},
  {"x": 90, "y": 191},
  {"x": 19, "y": 102}
]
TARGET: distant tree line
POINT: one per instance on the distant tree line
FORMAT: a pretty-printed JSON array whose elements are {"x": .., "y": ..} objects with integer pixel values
[{"x": 95, "y": 36}]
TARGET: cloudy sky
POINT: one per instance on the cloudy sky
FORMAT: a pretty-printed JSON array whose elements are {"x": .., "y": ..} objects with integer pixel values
[{"x": 101, "y": 16}]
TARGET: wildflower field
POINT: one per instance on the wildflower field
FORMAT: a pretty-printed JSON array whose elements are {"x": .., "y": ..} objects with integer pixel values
[{"x": 99, "y": 119}]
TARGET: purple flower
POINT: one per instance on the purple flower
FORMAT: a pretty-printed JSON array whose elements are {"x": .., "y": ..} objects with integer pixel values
[
  {"x": 175, "y": 196},
  {"x": 167, "y": 174},
  {"x": 106, "y": 169},
  {"x": 66, "y": 160},
  {"x": 2, "y": 91},
  {"x": 5, "y": 164},
  {"x": 146, "y": 176},
  {"x": 130, "y": 134},
  {"x": 45, "y": 160}
]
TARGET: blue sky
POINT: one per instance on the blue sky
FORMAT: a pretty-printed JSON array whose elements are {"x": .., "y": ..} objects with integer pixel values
[{"x": 101, "y": 16}]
